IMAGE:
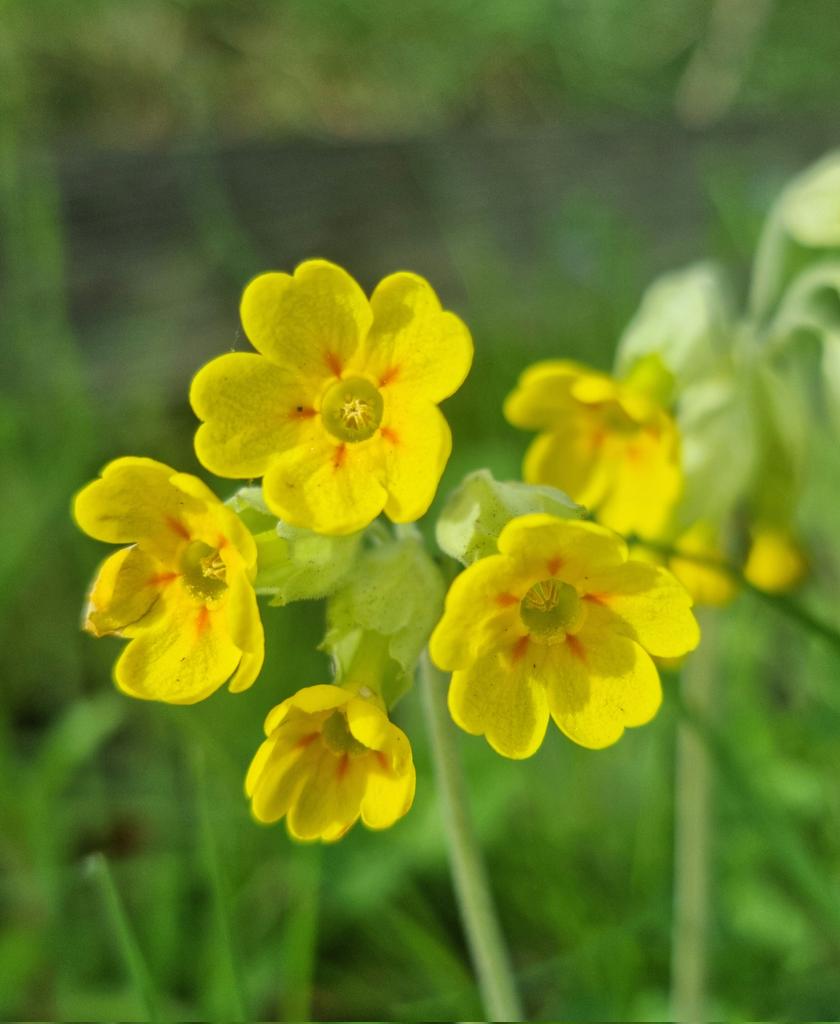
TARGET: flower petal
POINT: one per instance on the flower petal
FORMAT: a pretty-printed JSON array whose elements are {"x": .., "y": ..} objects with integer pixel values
[
  {"x": 276, "y": 777},
  {"x": 330, "y": 798},
  {"x": 252, "y": 409},
  {"x": 307, "y": 701},
  {"x": 416, "y": 443},
  {"x": 327, "y": 487},
  {"x": 503, "y": 698},
  {"x": 310, "y": 324},
  {"x": 387, "y": 797},
  {"x": 647, "y": 604},
  {"x": 414, "y": 347},
  {"x": 542, "y": 546},
  {"x": 646, "y": 480},
  {"x": 543, "y": 395},
  {"x": 183, "y": 658},
  {"x": 250, "y": 666},
  {"x": 481, "y": 606},
  {"x": 572, "y": 458},
  {"x": 134, "y": 500},
  {"x": 371, "y": 726},
  {"x": 598, "y": 684},
  {"x": 124, "y": 590}
]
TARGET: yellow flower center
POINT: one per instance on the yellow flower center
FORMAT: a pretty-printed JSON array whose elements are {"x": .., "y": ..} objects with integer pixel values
[
  {"x": 352, "y": 409},
  {"x": 338, "y": 738},
  {"x": 550, "y": 610},
  {"x": 204, "y": 571}
]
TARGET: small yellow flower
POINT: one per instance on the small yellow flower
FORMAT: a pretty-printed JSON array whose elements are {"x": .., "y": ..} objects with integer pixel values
[
  {"x": 331, "y": 756},
  {"x": 560, "y": 623},
  {"x": 181, "y": 591},
  {"x": 609, "y": 445},
  {"x": 338, "y": 407},
  {"x": 775, "y": 562}
]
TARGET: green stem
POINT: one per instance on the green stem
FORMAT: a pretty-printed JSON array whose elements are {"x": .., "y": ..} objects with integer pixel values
[
  {"x": 692, "y": 837},
  {"x": 132, "y": 954},
  {"x": 231, "y": 980},
  {"x": 478, "y": 913}
]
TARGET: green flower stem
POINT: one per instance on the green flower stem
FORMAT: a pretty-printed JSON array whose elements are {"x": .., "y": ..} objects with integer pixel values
[
  {"x": 692, "y": 835},
  {"x": 478, "y": 913},
  {"x": 134, "y": 960}
]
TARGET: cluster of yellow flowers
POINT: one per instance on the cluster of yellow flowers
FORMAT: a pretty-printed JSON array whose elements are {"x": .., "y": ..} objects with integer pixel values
[{"x": 336, "y": 411}]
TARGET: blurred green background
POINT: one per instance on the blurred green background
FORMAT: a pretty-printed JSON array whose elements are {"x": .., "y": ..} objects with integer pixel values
[{"x": 539, "y": 161}]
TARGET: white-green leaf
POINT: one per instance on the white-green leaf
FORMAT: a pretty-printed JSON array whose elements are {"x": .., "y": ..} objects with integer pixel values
[{"x": 686, "y": 319}]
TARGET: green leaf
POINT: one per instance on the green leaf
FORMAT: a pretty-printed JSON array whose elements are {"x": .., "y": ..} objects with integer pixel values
[
  {"x": 809, "y": 310},
  {"x": 810, "y": 205},
  {"x": 380, "y": 621},
  {"x": 478, "y": 510}
]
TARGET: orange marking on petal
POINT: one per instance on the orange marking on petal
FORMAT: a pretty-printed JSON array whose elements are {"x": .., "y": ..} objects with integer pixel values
[
  {"x": 202, "y": 619},
  {"x": 596, "y": 598},
  {"x": 554, "y": 565},
  {"x": 302, "y": 412},
  {"x": 221, "y": 542},
  {"x": 576, "y": 647},
  {"x": 505, "y": 600},
  {"x": 339, "y": 456},
  {"x": 389, "y": 376},
  {"x": 383, "y": 760},
  {"x": 177, "y": 527},
  {"x": 519, "y": 648},
  {"x": 334, "y": 363},
  {"x": 390, "y": 435},
  {"x": 343, "y": 765},
  {"x": 162, "y": 577},
  {"x": 304, "y": 741}
]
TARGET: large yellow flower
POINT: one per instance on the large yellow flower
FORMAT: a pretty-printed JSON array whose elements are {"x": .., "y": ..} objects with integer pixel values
[
  {"x": 560, "y": 623},
  {"x": 609, "y": 445},
  {"x": 331, "y": 756},
  {"x": 181, "y": 592},
  {"x": 338, "y": 411}
]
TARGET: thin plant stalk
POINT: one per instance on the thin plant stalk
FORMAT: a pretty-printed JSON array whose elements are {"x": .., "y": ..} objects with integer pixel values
[
  {"x": 134, "y": 960},
  {"x": 472, "y": 891},
  {"x": 228, "y": 967},
  {"x": 693, "y": 827}
]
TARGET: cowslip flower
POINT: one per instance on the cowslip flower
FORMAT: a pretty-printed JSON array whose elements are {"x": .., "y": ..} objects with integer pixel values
[
  {"x": 180, "y": 591},
  {"x": 337, "y": 409},
  {"x": 610, "y": 445},
  {"x": 775, "y": 561},
  {"x": 331, "y": 756},
  {"x": 559, "y": 623}
]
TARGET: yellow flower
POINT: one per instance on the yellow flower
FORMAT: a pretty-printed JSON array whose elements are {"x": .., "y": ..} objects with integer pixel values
[
  {"x": 609, "y": 445},
  {"x": 560, "y": 623},
  {"x": 707, "y": 582},
  {"x": 775, "y": 562},
  {"x": 338, "y": 411},
  {"x": 181, "y": 592},
  {"x": 331, "y": 756}
]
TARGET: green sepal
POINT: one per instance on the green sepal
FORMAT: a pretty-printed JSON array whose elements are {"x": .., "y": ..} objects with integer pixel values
[
  {"x": 803, "y": 225},
  {"x": 293, "y": 564},
  {"x": 686, "y": 319},
  {"x": 481, "y": 506},
  {"x": 381, "y": 619}
]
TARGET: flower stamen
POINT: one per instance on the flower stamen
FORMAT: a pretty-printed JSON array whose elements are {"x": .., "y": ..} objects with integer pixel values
[
  {"x": 352, "y": 409},
  {"x": 550, "y": 610}
]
